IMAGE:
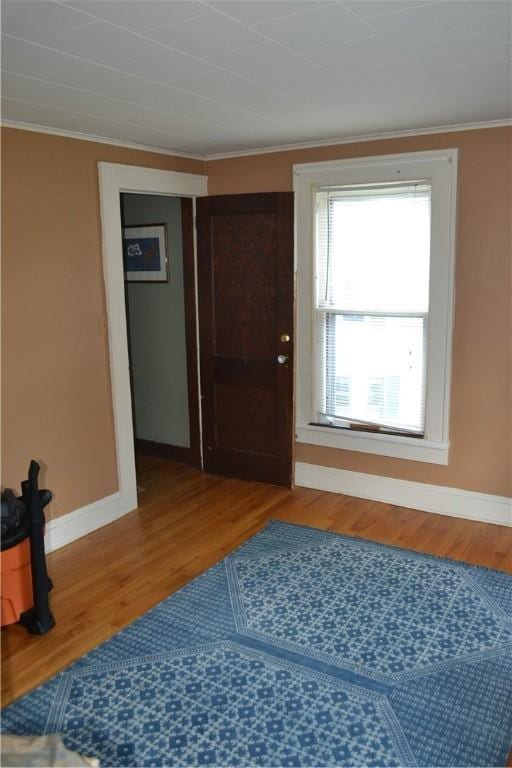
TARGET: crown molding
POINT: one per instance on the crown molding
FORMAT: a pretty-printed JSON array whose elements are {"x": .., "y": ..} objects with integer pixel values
[
  {"x": 356, "y": 138},
  {"x": 100, "y": 139},
  {"x": 332, "y": 142}
]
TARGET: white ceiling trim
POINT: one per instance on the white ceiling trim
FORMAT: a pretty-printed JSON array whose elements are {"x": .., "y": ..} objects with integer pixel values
[
  {"x": 353, "y": 139},
  {"x": 99, "y": 139}
]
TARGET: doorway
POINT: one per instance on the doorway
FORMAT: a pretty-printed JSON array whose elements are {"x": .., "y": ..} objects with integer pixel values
[
  {"x": 158, "y": 260},
  {"x": 245, "y": 261},
  {"x": 115, "y": 179}
]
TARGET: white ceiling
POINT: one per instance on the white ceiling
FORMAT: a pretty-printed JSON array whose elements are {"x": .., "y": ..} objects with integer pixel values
[{"x": 214, "y": 76}]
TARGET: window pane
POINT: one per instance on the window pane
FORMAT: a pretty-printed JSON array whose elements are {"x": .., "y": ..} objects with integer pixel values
[
  {"x": 373, "y": 248},
  {"x": 375, "y": 369}
]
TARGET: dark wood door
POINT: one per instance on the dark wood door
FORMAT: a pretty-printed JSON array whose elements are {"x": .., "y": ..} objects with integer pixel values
[{"x": 246, "y": 307}]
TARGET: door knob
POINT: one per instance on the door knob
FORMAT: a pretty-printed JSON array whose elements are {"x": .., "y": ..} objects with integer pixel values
[
  {"x": 285, "y": 337},
  {"x": 282, "y": 359}
]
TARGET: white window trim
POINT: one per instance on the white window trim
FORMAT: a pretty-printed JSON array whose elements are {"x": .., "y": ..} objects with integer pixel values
[{"x": 441, "y": 168}]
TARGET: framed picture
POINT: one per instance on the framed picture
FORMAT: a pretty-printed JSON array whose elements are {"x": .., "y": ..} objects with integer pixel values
[{"x": 145, "y": 253}]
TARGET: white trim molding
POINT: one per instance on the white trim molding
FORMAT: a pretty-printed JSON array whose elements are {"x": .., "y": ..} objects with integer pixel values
[
  {"x": 262, "y": 150},
  {"x": 398, "y": 446},
  {"x": 428, "y": 498},
  {"x": 356, "y": 138},
  {"x": 98, "y": 139},
  {"x": 113, "y": 179},
  {"x": 440, "y": 168},
  {"x": 65, "y": 529},
  {"x": 443, "y": 500}
]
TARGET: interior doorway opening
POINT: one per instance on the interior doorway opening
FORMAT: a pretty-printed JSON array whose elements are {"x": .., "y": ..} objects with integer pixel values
[{"x": 159, "y": 275}]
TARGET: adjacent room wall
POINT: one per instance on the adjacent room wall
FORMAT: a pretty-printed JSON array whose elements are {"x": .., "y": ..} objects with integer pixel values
[
  {"x": 56, "y": 394},
  {"x": 481, "y": 407},
  {"x": 156, "y": 321}
]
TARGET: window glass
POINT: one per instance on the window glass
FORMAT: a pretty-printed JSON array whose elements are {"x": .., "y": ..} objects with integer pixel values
[{"x": 372, "y": 261}]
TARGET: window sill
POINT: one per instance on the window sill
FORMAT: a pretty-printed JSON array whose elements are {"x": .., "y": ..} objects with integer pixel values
[{"x": 396, "y": 446}]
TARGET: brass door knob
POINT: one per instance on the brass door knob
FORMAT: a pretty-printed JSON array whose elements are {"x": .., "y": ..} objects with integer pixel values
[{"x": 285, "y": 337}]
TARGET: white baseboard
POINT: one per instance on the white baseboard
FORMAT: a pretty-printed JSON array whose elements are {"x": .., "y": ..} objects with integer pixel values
[
  {"x": 63, "y": 530},
  {"x": 404, "y": 493}
]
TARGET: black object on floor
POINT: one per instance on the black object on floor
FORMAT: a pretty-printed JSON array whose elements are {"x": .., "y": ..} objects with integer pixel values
[{"x": 22, "y": 517}]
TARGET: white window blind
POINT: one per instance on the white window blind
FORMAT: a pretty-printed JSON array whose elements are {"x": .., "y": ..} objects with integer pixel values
[{"x": 372, "y": 264}]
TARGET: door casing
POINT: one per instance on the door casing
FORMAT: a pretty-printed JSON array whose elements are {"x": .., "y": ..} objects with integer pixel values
[{"x": 115, "y": 178}]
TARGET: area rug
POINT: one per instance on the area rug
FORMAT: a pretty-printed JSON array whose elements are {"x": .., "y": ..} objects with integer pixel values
[{"x": 302, "y": 648}]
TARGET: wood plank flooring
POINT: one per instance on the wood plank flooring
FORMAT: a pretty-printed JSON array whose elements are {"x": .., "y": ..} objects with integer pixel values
[{"x": 186, "y": 522}]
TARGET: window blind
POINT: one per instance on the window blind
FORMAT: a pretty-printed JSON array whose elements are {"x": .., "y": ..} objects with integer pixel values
[{"x": 372, "y": 261}]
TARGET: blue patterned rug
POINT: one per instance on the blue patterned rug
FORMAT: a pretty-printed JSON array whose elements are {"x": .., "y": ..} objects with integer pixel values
[{"x": 303, "y": 648}]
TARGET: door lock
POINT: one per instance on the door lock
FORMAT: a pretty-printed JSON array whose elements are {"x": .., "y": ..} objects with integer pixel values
[{"x": 285, "y": 337}]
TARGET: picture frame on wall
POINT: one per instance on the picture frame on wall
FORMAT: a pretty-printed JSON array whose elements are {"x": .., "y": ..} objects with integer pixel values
[{"x": 145, "y": 258}]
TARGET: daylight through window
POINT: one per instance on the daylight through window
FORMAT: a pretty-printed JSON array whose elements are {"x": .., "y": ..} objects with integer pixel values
[{"x": 372, "y": 264}]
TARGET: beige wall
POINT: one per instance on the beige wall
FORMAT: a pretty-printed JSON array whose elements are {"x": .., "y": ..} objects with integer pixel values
[
  {"x": 481, "y": 407},
  {"x": 55, "y": 374}
]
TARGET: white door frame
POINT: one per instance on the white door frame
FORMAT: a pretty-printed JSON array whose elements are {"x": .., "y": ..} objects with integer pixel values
[{"x": 114, "y": 179}]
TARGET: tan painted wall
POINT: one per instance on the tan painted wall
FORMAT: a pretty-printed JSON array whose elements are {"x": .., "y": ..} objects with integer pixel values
[
  {"x": 56, "y": 394},
  {"x": 481, "y": 407},
  {"x": 56, "y": 387}
]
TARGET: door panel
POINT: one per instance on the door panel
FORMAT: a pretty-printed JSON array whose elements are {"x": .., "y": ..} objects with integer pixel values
[{"x": 246, "y": 299}]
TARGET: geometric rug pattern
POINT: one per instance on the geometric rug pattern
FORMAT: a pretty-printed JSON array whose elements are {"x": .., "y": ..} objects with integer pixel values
[
  {"x": 223, "y": 705},
  {"x": 384, "y": 614},
  {"x": 302, "y": 648}
]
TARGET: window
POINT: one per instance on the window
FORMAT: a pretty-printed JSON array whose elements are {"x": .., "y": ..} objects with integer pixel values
[
  {"x": 375, "y": 277},
  {"x": 372, "y": 260}
]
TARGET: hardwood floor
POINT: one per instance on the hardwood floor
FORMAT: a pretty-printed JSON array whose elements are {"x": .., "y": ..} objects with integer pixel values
[{"x": 186, "y": 522}]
